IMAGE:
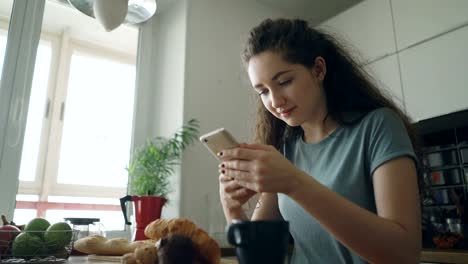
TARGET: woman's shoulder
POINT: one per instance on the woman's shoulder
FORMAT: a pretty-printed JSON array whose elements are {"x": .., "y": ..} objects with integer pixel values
[
  {"x": 382, "y": 121},
  {"x": 381, "y": 115},
  {"x": 382, "y": 118}
]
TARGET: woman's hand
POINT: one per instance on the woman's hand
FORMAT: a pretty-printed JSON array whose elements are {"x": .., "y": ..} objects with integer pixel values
[
  {"x": 232, "y": 195},
  {"x": 260, "y": 168}
]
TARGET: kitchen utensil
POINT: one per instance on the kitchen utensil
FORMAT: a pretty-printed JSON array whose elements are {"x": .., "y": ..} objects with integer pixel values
[
  {"x": 260, "y": 241},
  {"x": 86, "y": 226},
  {"x": 147, "y": 209}
]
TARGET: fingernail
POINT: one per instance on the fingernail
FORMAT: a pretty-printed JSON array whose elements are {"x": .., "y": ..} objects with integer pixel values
[
  {"x": 222, "y": 165},
  {"x": 220, "y": 153},
  {"x": 223, "y": 171}
]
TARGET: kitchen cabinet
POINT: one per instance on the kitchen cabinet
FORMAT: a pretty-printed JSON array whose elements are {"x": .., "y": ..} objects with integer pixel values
[
  {"x": 444, "y": 141},
  {"x": 434, "y": 75},
  {"x": 367, "y": 26},
  {"x": 385, "y": 72},
  {"x": 418, "y": 20}
]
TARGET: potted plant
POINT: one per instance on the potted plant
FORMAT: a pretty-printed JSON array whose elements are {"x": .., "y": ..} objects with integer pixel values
[{"x": 150, "y": 169}]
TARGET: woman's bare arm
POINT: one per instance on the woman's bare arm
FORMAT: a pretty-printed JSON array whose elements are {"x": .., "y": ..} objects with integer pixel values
[{"x": 267, "y": 208}]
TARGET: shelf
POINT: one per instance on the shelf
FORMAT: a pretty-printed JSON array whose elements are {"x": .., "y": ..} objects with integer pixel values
[
  {"x": 438, "y": 187},
  {"x": 445, "y": 206},
  {"x": 442, "y": 168},
  {"x": 435, "y": 149}
]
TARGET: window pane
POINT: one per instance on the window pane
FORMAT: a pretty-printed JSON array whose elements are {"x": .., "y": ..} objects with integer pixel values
[
  {"x": 6, "y": 6},
  {"x": 3, "y": 40},
  {"x": 32, "y": 136},
  {"x": 83, "y": 200},
  {"x": 97, "y": 127},
  {"x": 23, "y": 216},
  {"x": 111, "y": 220},
  {"x": 27, "y": 197}
]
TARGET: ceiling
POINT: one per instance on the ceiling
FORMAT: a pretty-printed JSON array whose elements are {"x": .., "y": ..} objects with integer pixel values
[{"x": 314, "y": 11}]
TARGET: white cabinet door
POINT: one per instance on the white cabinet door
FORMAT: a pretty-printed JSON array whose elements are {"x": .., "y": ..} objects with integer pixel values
[
  {"x": 367, "y": 26},
  {"x": 435, "y": 75},
  {"x": 385, "y": 72},
  {"x": 417, "y": 20}
]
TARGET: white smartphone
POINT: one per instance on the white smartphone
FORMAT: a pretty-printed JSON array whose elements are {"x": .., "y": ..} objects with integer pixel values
[{"x": 218, "y": 140}]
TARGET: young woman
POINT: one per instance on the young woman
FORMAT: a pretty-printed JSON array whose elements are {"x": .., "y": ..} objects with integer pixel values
[{"x": 333, "y": 155}]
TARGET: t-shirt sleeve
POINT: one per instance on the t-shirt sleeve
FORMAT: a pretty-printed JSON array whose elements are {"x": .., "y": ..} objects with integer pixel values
[{"x": 388, "y": 138}]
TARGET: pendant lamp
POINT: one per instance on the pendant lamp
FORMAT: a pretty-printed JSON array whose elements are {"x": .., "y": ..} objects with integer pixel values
[{"x": 112, "y": 13}]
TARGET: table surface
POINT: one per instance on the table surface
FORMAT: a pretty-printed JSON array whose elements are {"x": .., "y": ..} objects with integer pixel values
[
  {"x": 84, "y": 260},
  {"x": 446, "y": 256}
]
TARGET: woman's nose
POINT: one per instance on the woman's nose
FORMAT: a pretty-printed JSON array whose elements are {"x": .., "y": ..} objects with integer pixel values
[{"x": 277, "y": 99}]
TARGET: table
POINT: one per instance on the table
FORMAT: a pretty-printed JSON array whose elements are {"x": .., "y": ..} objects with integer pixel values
[{"x": 84, "y": 260}]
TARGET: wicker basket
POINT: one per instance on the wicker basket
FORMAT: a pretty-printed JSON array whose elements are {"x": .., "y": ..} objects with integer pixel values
[{"x": 33, "y": 247}]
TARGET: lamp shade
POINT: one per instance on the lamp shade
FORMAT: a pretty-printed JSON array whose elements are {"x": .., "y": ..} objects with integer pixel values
[
  {"x": 137, "y": 11},
  {"x": 110, "y": 13}
]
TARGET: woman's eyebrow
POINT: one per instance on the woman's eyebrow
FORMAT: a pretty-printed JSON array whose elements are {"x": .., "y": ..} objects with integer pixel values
[{"x": 276, "y": 76}]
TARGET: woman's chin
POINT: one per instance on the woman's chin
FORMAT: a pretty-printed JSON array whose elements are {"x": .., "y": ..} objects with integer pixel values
[{"x": 292, "y": 122}]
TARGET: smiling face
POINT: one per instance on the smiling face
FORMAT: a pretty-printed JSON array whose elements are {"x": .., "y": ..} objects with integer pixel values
[{"x": 291, "y": 92}]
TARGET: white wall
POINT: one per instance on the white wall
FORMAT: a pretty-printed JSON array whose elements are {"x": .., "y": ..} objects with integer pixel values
[
  {"x": 169, "y": 77},
  {"x": 218, "y": 94},
  {"x": 417, "y": 20},
  {"x": 191, "y": 68},
  {"x": 416, "y": 49},
  {"x": 161, "y": 75},
  {"x": 367, "y": 26}
]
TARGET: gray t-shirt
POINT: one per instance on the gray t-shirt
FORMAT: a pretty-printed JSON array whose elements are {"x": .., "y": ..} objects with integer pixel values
[{"x": 343, "y": 162}]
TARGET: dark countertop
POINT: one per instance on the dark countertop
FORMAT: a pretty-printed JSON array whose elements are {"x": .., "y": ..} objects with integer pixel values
[
  {"x": 427, "y": 255},
  {"x": 444, "y": 256}
]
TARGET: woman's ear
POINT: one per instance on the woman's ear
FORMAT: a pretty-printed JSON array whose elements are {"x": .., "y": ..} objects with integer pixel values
[{"x": 319, "y": 70}]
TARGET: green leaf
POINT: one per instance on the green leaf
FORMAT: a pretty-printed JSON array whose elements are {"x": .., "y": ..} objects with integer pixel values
[{"x": 152, "y": 164}]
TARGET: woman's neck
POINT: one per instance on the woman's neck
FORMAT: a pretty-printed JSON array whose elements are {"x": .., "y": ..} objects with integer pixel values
[{"x": 315, "y": 132}]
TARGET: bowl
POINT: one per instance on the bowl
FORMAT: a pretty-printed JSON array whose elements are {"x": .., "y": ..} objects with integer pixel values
[{"x": 36, "y": 246}]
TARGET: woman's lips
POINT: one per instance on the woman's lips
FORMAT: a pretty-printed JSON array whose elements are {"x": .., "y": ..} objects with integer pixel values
[{"x": 287, "y": 112}]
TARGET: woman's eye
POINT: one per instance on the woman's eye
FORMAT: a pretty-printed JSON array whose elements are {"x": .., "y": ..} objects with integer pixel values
[
  {"x": 286, "y": 82},
  {"x": 262, "y": 92}
]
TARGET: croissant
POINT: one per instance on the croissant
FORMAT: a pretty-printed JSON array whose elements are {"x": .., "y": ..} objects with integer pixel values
[
  {"x": 208, "y": 247},
  {"x": 102, "y": 246},
  {"x": 142, "y": 255}
]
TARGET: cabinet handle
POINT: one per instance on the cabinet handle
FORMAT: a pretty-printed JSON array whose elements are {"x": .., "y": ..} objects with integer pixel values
[
  {"x": 47, "y": 110},
  {"x": 62, "y": 111}
]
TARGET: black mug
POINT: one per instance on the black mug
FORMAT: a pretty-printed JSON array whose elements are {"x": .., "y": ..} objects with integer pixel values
[{"x": 259, "y": 241}]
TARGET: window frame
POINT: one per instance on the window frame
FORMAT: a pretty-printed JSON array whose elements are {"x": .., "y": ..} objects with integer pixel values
[
  {"x": 34, "y": 187},
  {"x": 45, "y": 184}
]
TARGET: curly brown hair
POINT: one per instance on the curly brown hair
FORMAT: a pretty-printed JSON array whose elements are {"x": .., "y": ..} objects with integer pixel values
[{"x": 348, "y": 88}]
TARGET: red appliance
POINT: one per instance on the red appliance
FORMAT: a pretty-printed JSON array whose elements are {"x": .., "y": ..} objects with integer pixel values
[{"x": 147, "y": 209}]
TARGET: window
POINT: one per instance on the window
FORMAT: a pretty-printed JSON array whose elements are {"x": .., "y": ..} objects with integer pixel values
[
  {"x": 3, "y": 40},
  {"x": 30, "y": 154},
  {"x": 97, "y": 131},
  {"x": 79, "y": 121}
]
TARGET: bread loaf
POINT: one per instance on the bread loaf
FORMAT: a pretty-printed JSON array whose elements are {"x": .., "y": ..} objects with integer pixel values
[
  {"x": 100, "y": 245},
  {"x": 142, "y": 255},
  {"x": 208, "y": 247}
]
